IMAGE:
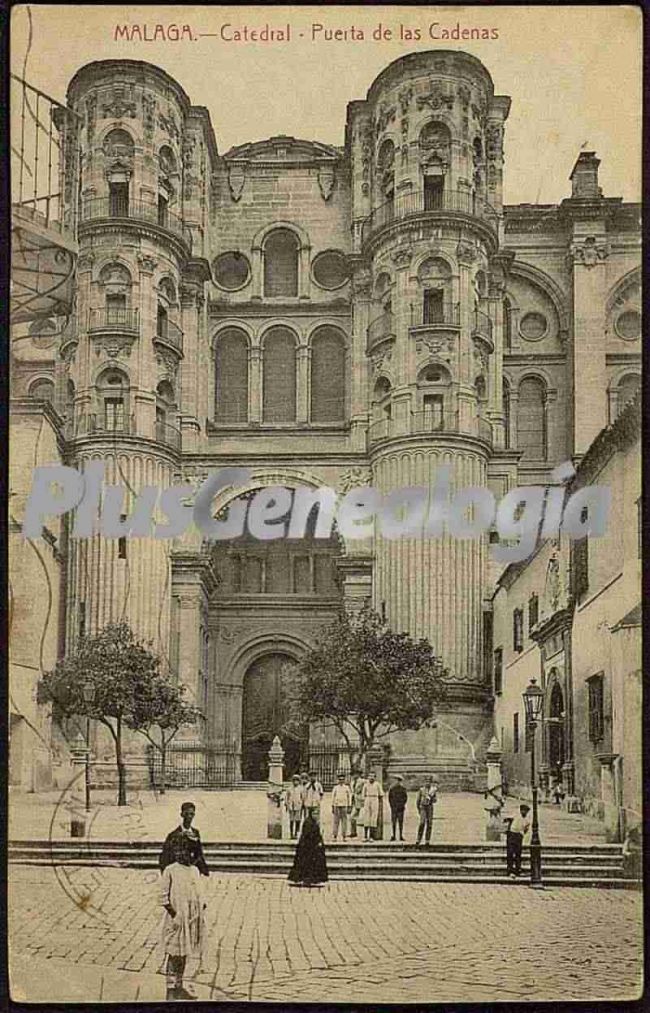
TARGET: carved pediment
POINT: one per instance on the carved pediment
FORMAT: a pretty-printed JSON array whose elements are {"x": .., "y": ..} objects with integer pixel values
[{"x": 283, "y": 149}]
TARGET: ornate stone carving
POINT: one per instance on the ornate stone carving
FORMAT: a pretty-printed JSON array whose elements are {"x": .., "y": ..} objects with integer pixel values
[
  {"x": 189, "y": 295},
  {"x": 117, "y": 105},
  {"x": 494, "y": 140},
  {"x": 362, "y": 283},
  {"x": 405, "y": 153},
  {"x": 148, "y": 115},
  {"x": 385, "y": 115},
  {"x": 326, "y": 180},
  {"x": 401, "y": 255},
  {"x": 589, "y": 252},
  {"x": 169, "y": 125},
  {"x": 85, "y": 261},
  {"x": 379, "y": 359},
  {"x": 405, "y": 126},
  {"x": 91, "y": 116},
  {"x": 147, "y": 263},
  {"x": 466, "y": 253},
  {"x": 353, "y": 478},
  {"x": 442, "y": 345},
  {"x": 481, "y": 357},
  {"x": 464, "y": 95},
  {"x": 168, "y": 362},
  {"x": 236, "y": 180},
  {"x": 404, "y": 97},
  {"x": 435, "y": 98}
]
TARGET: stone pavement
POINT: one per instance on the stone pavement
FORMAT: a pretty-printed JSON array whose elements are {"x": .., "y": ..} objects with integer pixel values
[
  {"x": 241, "y": 816},
  {"x": 343, "y": 942}
]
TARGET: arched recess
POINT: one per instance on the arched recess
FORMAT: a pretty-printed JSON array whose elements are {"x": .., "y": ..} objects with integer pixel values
[
  {"x": 328, "y": 375},
  {"x": 531, "y": 418},
  {"x": 42, "y": 389},
  {"x": 386, "y": 172},
  {"x": 434, "y": 409},
  {"x": 281, "y": 259},
  {"x": 115, "y": 286},
  {"x": 279, "y": 375},
  {"x": 626, "y": 288},
  {"x": 434, "y": 143},
  {"x": 112, "y": 385},
  {"x": 550, "y": 287},
  {"x": 555, "y": 708},
  {"x": 435, "y": 281},
  {"x": 231, "y": 381},
  {"x": 624, "y": 387}
]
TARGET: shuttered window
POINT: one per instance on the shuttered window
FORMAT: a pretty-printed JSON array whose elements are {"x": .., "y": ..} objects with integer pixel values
[
  {"x": 531, "y": 420},
  {"x": 279, "y": 367},
  {"x": 327, "y": 376},
  {"x": 281, "y": 264},
  {"x": 231, "y": 388}
]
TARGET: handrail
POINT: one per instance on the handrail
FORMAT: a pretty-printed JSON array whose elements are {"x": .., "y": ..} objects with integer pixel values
[
  {"x": 170, "y": 332},
  {"x": 482, "y": 324},
  {"x": 145, "y": 211},
  {"x": 169, "y": 435},
  {"x": 428, "y": 421},
  {"x": 379, "y": 328},
  {"x": 448, "y": 313},
  {"x": 113, "y": 318},
  {"x": 420, "y": 201}
]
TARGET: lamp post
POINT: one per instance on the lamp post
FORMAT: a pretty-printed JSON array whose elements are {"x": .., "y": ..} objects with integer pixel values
[
  {"x": 533, "y": 701},
  {"x": 89, "y": 696}
]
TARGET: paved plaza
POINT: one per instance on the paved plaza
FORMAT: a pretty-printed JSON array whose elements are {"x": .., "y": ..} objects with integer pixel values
[
  {"x": 343, "y": 942},
  {"x": 242, "y": 816}
]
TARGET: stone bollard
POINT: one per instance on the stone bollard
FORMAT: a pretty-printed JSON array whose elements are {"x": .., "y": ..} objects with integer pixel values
[
  {"x": 494, "y": 795},
  {"x": 275, "y": 792},
  {"x": 77, "y": 795}
]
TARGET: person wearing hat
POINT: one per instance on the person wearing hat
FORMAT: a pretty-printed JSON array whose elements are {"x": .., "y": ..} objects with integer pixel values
[
  {"x": 294, "y": 802},
  {"x": 519, "y": 827},
  {"x": 397, "y": 799},
  {"x": 341, "y": 805}
]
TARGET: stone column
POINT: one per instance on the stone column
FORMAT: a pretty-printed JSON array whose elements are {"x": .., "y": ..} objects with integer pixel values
[
  {"x": 358, "y": 363},
  {"x": 76, "y": 796},
  {"x": 304, "y": 277},
  {"x": 494, "y": 795},
  {"x": 276, "y": 790},
  {"x": 142, "y": 405},
  {"x": 189, "y": 296},
  {"x": 257, "y": 273},
  {"x": 303, "y": 383},
  {"x": 466, "y": 254},
  {"x": 588, "y": 253}
]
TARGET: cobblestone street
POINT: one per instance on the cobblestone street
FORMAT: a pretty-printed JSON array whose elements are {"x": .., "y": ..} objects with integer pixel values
[{"x": 344, "y": 942}]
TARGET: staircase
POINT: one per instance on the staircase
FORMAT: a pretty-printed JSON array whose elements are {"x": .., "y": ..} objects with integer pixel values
[{"x": 591, "y": 865}]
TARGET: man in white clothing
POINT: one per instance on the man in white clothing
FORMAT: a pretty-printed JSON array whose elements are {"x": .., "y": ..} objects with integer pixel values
[
  {"x": 341, "y": 805},
  {"x": 372, "y": 792}
]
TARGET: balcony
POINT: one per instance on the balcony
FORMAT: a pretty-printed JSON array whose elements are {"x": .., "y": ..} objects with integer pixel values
[
  {"x": 482, "y": 325},
  {"x": 427, "y": 317},
  {"x": 407, "y": 205},
  {"x": 93, "y": 424},
  {"x": 381, "y": 328},
  {"x": 170, "y": 335},
  {"x": 428, "y": 421},
  {"x": 101, "y": 208},
  {"x": 168, "y": 435},
  {"x": 115, "y": 320}
]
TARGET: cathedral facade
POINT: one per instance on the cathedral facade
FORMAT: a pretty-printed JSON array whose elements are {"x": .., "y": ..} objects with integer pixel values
[{"x": 324, "y": 316}]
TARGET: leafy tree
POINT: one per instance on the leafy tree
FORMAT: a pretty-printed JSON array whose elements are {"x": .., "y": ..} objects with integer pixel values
[
  {"x": 103, "y": 678},
  {"x": 367, "y": 680},
  {"x": 160, "y": 706}
]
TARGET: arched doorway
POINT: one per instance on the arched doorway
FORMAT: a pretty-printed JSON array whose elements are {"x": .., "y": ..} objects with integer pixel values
[
  {"x": 556, "y": 751},
  {"x": 264, "y": 712}
]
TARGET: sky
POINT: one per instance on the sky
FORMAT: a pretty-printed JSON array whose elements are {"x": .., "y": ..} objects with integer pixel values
[{"x": 573, "y": 73}]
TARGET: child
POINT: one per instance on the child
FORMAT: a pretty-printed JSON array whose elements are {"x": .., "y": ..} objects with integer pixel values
[{"x": 183, "y": 928}]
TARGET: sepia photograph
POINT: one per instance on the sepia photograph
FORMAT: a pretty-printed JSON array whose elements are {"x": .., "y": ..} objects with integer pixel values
[{"x": 324, "y": 504}]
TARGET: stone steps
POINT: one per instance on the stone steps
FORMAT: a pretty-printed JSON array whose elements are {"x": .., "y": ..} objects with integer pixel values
[{"x": 578, "y": 865}]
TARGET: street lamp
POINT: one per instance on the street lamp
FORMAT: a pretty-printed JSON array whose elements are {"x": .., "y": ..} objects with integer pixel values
[
  {"x": 88, "y": 691},
  {"x": 533, "y": 702}
]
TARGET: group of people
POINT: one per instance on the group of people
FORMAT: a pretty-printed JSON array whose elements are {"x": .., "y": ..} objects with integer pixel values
[{"x": 358, "y": 800}]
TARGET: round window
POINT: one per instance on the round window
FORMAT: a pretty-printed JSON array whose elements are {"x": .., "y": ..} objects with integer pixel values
[
  {"x": 533, "y": 326},
  {"x": 330, "y": 269},
  {"x": 231, "y": 270},
  {"x": 628, "y": 325},
  {"x": 43, "y": 333}
]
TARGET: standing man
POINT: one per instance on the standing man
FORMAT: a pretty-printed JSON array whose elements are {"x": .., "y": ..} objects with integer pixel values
[
  {"x": 189, "y": 837},
  {"x": 294, "y": 801},
  {"x": 426, "y": 799},
  {"x": 372, "y": 792},
  {"x": 519, "y": 827},
  {"x": 313, "y": 794},
  {"x": 357, "y": 800},
  {"x": 341, "y": 804},
  {"x": 397, "y": 799}
]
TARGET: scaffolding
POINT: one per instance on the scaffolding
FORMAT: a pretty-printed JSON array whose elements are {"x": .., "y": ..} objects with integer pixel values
[{"x": 44, "y": 152}]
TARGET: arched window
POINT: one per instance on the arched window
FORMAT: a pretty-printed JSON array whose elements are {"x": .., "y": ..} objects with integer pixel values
[
  {"x": 433, "y": 398},
  {"x": 506, "y": 413},
  {"x": 165, "y": 399},
  {"x": 281, "y": 264},
  {"x": 118, "y": 158},
  {"x": 628, "y": 388},
  {"x": 386, "y": 170},
  {"x": 113, "y": 387},
  {"x": 42, "y": 390},
  {"x": 531, "y": 419},
  {"x": 231, "y": 377},
  {"x": 327, "y": 376},
  {"x": 116, "y": 284},
  {"x": 279, "y": 376}
]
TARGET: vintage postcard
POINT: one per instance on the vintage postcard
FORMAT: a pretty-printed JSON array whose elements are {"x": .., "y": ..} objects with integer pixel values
[{"x": 325, "y": 504}]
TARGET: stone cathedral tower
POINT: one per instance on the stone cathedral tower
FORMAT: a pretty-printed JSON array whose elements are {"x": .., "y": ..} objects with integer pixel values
[{"x": 427, "y": 163}]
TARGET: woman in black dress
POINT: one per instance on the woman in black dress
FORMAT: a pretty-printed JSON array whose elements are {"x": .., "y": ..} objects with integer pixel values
[{"x": 309, "y": 865}]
